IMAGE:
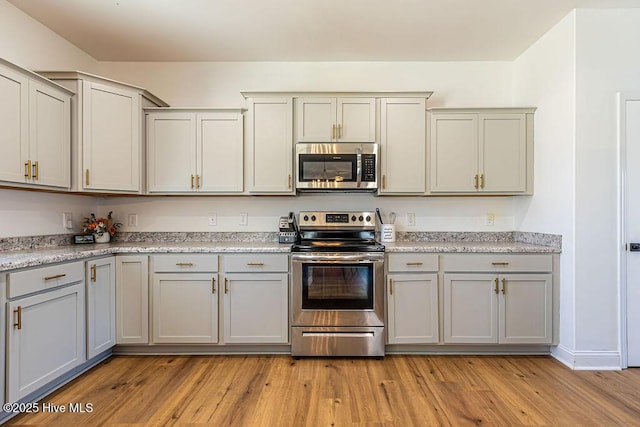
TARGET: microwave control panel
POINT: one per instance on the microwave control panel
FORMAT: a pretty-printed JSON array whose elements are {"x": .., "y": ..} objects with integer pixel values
[{"x": 369, "y": 167}]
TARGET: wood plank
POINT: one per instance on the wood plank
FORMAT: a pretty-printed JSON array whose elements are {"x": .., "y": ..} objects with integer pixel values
[{"x": 254, "y": 390}]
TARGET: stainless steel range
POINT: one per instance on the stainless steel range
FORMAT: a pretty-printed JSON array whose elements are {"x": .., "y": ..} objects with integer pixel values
[{"x": 338, "y": 295}]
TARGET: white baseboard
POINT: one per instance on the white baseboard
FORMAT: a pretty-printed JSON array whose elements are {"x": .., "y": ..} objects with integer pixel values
[{"x": 588, "y": 360}]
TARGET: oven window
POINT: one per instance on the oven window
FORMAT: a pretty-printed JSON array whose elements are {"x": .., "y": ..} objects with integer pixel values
[{"x": 337, "y": 287}]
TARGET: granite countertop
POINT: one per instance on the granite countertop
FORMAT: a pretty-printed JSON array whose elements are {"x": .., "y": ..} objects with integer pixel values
[
  {"x": 35, "y": 257},
  {"x": 457, "y": 243}
]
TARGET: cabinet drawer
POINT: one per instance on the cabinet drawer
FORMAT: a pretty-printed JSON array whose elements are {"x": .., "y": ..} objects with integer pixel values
[
  {"x": 404, "y": 262},
  {"x": 41, "y": 278},
  {"x": 256, "y": 262},
  {"x": 497, "y": 262},
  {"x": 185, "y": 263}
]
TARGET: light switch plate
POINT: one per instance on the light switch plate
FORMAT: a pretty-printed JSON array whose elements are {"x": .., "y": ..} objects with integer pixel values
[
  {"x": 132, "y": 220},
  {"x": 244, "y": 218},
  {"x": 67, "y": 220}
]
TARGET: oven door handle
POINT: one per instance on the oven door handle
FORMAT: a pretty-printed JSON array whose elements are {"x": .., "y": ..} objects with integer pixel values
[
  {"x": 358, "y": 167},
  {"x": 343, "y": 258}
]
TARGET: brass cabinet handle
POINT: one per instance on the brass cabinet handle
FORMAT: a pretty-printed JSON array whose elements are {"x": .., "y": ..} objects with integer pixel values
[
  {"x": 475, "y": 181},
  {"x": 197, "y": 181},
  {"x": 499, "y": 263},
  {"x": 57, "y": 276},
  {"x": 86, "y": 177},
  {"x": 339, "y": 131},
  {"x": 414, "y": 263},
  {"x": 482, "y": 181},
  {"x": 289, "y": 181},
  {"x": 213, "y": 285},
  {"x": 192, "y": 177},
  {"x": 384, "y": 181},
  {"x": 496, "y": 288},
  {"x": 94, "y": 273},
  {"x": 390, "y": 286},
  {"x": 504, "y": 286},
  {"x": 18, "y": 324},
  {"x": 27, "y": 169},
  {"x": 184, "y": 264},
  {"x": 226, "y": 285},
  {"x": 333, "y": 132},
  {"x": 35, "y": 170},
  {"x": 255, "y": 264}
]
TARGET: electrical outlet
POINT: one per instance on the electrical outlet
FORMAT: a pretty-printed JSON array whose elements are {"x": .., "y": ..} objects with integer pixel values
[
  {"x": 213, "y": 219},
  {"x": 67, "y": 220},
  {"x": 132, "y": 220},
  {"x": 490, "y": 220},
  {"x": 244, "y": 218},
  {"x": 411, "y": 219}
]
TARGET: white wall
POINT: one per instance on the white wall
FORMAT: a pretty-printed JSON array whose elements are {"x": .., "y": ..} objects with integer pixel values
[
  {"x": 218, "y": 84},
  {"x": 607, "y": 62},
  {"x": 544, "y": 76},
  {"x": 26, "y": 42}
]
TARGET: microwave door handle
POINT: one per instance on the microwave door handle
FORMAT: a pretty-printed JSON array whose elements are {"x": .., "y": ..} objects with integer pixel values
[{"x": 358, "y": 167}]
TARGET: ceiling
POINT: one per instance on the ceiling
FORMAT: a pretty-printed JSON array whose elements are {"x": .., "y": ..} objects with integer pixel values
[{"x": 304, "y": 30}]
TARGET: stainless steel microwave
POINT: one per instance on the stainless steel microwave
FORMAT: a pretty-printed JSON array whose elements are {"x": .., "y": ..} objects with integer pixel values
[{"x": 324, "y": 167}]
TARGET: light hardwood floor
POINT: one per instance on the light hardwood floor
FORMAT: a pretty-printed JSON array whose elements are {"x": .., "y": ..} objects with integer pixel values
[{"x": 395, "y": 391}]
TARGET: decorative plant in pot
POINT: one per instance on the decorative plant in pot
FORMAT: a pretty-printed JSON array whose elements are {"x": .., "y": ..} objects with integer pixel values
[{"x": 101, "y": 228}]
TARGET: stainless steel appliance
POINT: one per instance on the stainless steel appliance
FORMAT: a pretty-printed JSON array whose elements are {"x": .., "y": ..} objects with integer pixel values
[
  {"x": 338, "y": 286},
  {"x": 324, "y": 167}
]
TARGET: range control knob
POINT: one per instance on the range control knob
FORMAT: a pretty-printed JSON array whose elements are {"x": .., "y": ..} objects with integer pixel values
[
  {"x": 368, "y": 218},
  {"x": 306, "y": 218},
  {"x": 353, "y": 218},
  {"x": 313, "y": 218},
  {"x": 361, "y": 218}
]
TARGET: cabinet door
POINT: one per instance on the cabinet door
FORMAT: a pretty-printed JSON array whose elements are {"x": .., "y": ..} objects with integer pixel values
[
  {"x": 503, "y": 152},
  {"x": 132, "y": 304},
  {"x": 45, "y": 338},
  {"x": 256, "y": 308},
  {"x": 101, "y": 305},
  {"x": 110, "y": 138},
  {"x": 185, "y": 308},
  {"x": 14, "y": 126},
  {"x": 453, "y": 152},
  {"x": 525, "y": 309},
  {"x": 220, "y": 155},
  {"x": 356, "y": 119},
  {"x": 403, "y": 146},
  {"x": 271, "y": 146},
  {"x": 49, "y": 135},
  {"x": 412, "y": 308},
  {"x": 470, "y": 308},
  {"x": 316, "y": 119},
  {"x": 171, "y": 145}
]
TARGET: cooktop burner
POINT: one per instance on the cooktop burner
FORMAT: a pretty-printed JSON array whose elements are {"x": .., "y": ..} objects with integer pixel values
[{"x": 337, "y": 232}]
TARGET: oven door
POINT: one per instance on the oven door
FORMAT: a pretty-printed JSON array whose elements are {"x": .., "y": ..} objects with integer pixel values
[{"x": 338, "y": 289}]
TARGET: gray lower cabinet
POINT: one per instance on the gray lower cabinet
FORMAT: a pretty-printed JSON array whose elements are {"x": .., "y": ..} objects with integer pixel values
[
  {"x": 132, "y": 299},
  {"x": 412, "y": 298},
  {"x": 498, "y": 299},
  {"x": 45, "y": 326},
  {"x": 256, "y": 298},
  {"x": 101, "y": 305}
]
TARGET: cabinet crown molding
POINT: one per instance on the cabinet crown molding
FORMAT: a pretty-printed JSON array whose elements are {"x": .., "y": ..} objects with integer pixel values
[
  {"x": 525, "y": 110},
  {"x": 34, "y": 76},
  {"x": 81, "y": 75},
  {"x": 365, "y": 94}
]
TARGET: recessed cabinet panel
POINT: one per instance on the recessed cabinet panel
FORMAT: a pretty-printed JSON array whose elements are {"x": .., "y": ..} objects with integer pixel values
[
  {"x": 412, "y": 308},
  {"x": 219, "y": 143},
  {"x": 503, "y": 159},
  {"x": 316, "y": 119},
  {"x": 454, "y": 152},
  {"x": 101, "y": 306},
  {"x": 470, "y": 308},
  {"x": 14, "y": 125},
  {"x": 356, "y": 119},
  {"x": 271, "y": 146},
  {"x": 403, "y": 146},
  {"x": 172, "y": 152},
  {"x": 111, "y": 136},
  {"x": 525, "y": 315},
  {"x": 132, "y": 306}
]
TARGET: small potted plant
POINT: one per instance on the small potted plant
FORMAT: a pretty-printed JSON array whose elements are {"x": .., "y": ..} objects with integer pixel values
[{"x": 101, "y": 228}]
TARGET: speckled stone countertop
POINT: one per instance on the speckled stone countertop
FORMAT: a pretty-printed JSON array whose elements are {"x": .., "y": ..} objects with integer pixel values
[
  {"x": 24, "y": 252},
  {"x": 35, "y": 257}
]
